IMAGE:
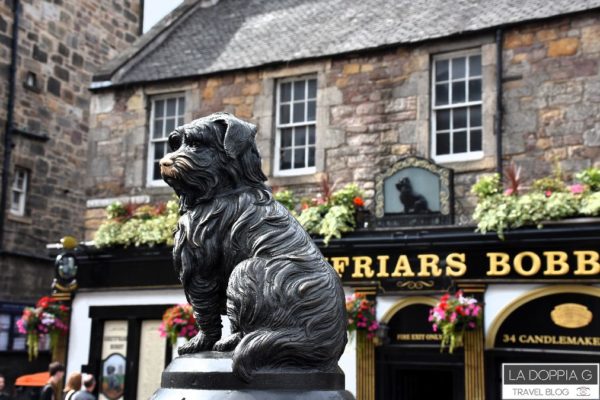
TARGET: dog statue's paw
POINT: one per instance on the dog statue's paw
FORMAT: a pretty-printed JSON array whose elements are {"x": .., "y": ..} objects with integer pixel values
[
  {"x": 198, "y": 343},
  {"x": 229, "y": 343}
]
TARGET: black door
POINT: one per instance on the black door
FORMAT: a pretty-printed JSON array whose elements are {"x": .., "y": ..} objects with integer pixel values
[{"x": 418, "y": 373}]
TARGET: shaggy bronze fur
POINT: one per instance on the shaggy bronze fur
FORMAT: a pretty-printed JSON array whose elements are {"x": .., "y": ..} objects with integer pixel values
[{"x": 238, "y": 249}]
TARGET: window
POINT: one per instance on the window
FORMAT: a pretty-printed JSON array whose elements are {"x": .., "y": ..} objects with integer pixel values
[
  {"x": 456, "y": 107},
  {"x": 19, "y": 191},
  {"x": 10, "y": 337},
  {"x": 296, "y": 126},
  {"x": 166, "y": 114}
]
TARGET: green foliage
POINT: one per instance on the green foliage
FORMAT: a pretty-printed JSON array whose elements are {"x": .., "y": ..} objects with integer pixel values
[
  {"x": 330, "y": 215},
  {"x": 486, "y": 186},
  {"x": 144, "y": 225},
  {"x": 286, "y": 198},
  {"x": 590, "y": 204},
  {"x": 550, "y": 200},
  {"x": 339, "y": 219},
  {"x": 591, "y": 178}
]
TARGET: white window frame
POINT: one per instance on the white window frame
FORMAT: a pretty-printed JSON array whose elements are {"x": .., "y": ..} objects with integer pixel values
[
  {"x": 19, "y": 208},
  {"x": 151, "y": 140},
  {"x": 469, "y": 155},
  {"x": 278, "y": 126}
]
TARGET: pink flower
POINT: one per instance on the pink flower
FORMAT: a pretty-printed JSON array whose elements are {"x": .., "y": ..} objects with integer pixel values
[
  {"x": 577, "y": 188},
  {"x": 508, "y": 192},
  {"x": 548, "y": 193},
  {"x": 435, "y": 328},
  {"x": 472, "y": 325},
  {"x": 453, "y": 317}
]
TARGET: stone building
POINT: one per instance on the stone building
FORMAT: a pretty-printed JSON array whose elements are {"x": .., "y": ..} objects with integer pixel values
[
  {"x": 50, "y": 50},
  {"x": 348, "y": 89}
]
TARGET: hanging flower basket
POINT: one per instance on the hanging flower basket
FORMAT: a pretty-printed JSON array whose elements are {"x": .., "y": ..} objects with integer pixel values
[
  {"x": 178, "y": 321},
  {"x": 453, "y": 315},
  {"x": 48, "y": 317},
  {"x": 361, "y": 315}
]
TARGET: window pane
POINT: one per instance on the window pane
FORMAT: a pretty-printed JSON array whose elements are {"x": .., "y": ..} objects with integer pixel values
[
  {"x": 286, "y": 137},
  {"x": 18, "y": 338},
  {"x": 158, "y": 129},
  {"x": 300, "y": 136},
  {"x": 156, "y": 172},
  {"x": 286, "y": 159},
  {"x": 159, "y": 110},
  {"x": 311, "y": 157},
  {"x": 16, "y": 200},
  {"x": 458, "y": 67},
  {"x": 180, "y": 121},
  {"x": 169, "y": 125},
  {"x": 442, "y": 144},
  {"x": 298, "y": 112},
  {"x": 311, "y": 110},
  {"x": 459, "y": 118},
  {"x": 4, "y": 331},
  {"x": 311, "y": 134},
  {"x": 284, "y": 116},
  {"x": 442, "y": 120},
  {"x": 475, "y": 90},
  {"x": 286, "y": 91},
  {"x": 159, "y": 150},
  {"x": 171, "y": 107},
  {"x": 475, "y": 65},
  {"x": 299, "y": 155},
  {"x": 441, "y": 94},
  {"x": 475, "y": 116},
  {"x": 181, "y": 108},
  {"x": 299, "y": 90},
  {"x": 458, "y": 92},
  {"x": 441, "y": 70},
  {"x": 459, "y": 144},
  {"x": 312, "y": 88},
  {"x": 476, "y": 140}
]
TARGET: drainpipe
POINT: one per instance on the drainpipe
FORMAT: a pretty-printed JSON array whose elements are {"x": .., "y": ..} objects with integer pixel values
[
  {"x": 499, "y": 108},
  {"x": 8, "y": 131}
]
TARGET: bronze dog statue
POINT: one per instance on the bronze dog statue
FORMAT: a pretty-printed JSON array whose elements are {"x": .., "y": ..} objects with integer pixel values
[{"x": 238, "y": 249}]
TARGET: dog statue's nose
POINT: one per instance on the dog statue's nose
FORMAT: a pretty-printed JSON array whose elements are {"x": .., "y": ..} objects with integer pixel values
[{"x": 166, "y": 162}]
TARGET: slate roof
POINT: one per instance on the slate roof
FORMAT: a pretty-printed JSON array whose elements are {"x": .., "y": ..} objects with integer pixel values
[{"x": 196, "y": 39}]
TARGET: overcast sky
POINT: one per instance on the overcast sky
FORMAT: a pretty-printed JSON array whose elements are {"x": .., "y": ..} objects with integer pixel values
[{"x": 154, "y": 10}]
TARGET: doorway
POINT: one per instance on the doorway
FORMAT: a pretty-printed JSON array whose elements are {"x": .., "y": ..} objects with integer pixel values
[{"x": 422, "y": 373}]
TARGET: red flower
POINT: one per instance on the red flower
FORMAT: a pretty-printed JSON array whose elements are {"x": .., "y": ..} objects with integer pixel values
[{"x": 358, "y": 202}]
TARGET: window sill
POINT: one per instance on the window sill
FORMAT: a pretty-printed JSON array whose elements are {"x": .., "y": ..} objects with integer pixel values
[
  {"x": 20, "y": 219},
  {"x": 485, "y": 163},
  {"x": 291, "y": 180}
]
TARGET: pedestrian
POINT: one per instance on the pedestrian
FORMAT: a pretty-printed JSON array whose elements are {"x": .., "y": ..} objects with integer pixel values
[
  {"x": 87, "y": 392},
  {"x": 73, "y": 385},
  {"x": 3, "y": 393},
  {"x": 57, "y": 373}
]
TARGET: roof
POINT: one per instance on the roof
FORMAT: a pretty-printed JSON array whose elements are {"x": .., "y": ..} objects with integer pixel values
[{"x": 201, "y": 37}]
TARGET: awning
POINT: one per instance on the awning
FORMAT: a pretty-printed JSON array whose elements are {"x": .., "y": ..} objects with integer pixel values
[{"x": 37, "y": 379}]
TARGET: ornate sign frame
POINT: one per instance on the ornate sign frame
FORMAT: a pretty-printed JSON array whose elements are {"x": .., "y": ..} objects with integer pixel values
[{"x": 446, "y": 194}]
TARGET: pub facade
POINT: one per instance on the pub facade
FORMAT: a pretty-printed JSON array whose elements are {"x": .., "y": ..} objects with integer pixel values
[{"x": 412, "y": 110}]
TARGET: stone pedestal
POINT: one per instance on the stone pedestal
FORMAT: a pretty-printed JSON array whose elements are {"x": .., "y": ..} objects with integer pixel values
[{"x": 208, "y": 376}]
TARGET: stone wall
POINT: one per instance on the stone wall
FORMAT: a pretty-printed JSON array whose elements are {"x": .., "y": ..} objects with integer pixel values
[
  {"x": 373, "y": 109},
  {"x": 61, "y": 42}
]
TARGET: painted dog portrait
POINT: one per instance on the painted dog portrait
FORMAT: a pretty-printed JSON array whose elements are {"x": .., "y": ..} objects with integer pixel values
[
  {"x": 240, "y": 252},
  {"x": 414, "y": 203}
]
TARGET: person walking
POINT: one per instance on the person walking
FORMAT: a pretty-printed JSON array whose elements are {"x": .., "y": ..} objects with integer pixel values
[
  {"x": 57, "y": 373},
  {"x": 87, "y": 392},
  {"x": 73, "y": 385}
]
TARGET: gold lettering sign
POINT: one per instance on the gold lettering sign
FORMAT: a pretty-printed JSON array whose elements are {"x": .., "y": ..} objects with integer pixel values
[
  {"x": 571, "y": 315},
  {"x": 524, "y": 264}
]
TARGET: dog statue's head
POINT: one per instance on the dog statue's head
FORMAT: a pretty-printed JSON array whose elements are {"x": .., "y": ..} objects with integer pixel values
[
  {"x": 404, "y": 185},
  {"x": 213, "y": 155}
]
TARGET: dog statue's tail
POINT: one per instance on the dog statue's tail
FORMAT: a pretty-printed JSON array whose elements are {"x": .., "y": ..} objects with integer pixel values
[{"x": 290, "y": 321}]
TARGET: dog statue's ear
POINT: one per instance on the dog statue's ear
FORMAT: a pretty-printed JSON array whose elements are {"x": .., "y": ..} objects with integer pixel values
[{"x": 238, "y": 134}]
